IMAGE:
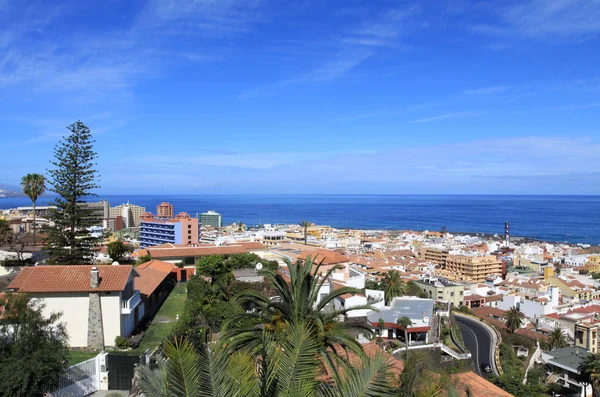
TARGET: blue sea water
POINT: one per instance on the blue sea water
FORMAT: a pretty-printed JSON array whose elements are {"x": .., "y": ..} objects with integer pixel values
[{"x": 573, "y": 219}]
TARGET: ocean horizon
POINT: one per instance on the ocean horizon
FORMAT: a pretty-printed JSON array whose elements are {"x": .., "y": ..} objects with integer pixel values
[{"x": 558, "y": 218}]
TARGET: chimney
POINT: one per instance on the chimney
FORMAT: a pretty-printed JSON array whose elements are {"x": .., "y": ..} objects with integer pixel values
[{"x": 94, "y": 277}]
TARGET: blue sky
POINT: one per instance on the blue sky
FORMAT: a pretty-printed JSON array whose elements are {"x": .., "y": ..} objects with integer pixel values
[{"x": 257, "y": 96}]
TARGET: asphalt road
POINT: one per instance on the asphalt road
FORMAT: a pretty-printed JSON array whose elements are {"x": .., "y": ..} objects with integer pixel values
[{"x": 478, "y": 341}]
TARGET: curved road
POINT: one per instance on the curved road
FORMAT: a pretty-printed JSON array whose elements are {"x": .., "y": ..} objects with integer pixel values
[{"x": 478, "y": 341}]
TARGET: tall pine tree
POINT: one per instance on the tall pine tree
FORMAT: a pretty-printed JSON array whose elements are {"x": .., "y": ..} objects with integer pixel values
[{"x": 73, "y": 179}]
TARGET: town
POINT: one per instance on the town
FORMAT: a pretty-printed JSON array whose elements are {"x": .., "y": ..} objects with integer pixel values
[{"x": 494, "y": 308}]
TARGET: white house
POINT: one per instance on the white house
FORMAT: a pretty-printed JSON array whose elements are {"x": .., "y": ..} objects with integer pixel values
[{"x": 97, "y": 303}]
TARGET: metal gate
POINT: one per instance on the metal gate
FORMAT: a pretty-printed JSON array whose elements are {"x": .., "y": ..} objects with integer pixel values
[{"x": 121, "y": 369}]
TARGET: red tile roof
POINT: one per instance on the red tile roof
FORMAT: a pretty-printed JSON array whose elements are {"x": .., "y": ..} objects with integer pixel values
[
  {"x": 252, "y": 245},
  {"x": 326, "y": 257},
  {"x": 195, "y": 251},
  {"x": 152, "y": 274},
  {"x": 477, "y": 385},
  {"x": 71, "y": 278}
]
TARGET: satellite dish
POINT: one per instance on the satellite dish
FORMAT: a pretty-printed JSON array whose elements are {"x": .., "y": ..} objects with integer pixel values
[
  {"x": 115, "y": 263},
  {"x": 426, "y": 319},
  {"x": 259, "y": 266}
]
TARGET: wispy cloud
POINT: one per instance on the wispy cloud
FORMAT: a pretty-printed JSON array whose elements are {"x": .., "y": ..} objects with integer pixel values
[
  {"x": 447, "y": 116},
  {"x": 209, "y": 18},
  {"x": 487, "y": 90},
  {"x": 544, "y": 19},
  {"x": 333, "y": 69},
  {"x": 514, "y": 165},
  {"x": 384, "y": 31}
]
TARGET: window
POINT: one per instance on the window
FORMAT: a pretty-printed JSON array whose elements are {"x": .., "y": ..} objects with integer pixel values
[
  {"x": 189, "y": 226},
  {"x": 451, "y": 293}
]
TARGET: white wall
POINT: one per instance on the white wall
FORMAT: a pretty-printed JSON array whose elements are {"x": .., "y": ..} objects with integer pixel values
[
  {"x": 74, "y": 309},
  {"x": 508, "y": 301}
]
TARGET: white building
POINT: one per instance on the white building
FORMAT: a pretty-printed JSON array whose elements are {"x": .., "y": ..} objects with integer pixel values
[{"x": 97, "y": 303}]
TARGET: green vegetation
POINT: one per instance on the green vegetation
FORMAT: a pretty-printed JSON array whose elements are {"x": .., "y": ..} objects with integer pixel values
[
  {"x": 305, "y": 225},
  {"x": 117, "y": 250},
  {"x": 288, "y": 366},
  {"x": 33, "y": 349},
  {"x": 78, "y": 356},
  {"x": 557, "y": 339},
  {"x": 143, "y": 259},
  {"x": 280, "y": 349},
  {"x": 419, "y": 379},
  {"x": 405, "y": 322},
  {"x": 464, "y": 309},
  {"x": 514, "y": 319},
  {"x": 298, "y": 303},
  {"x": 589, "y": 370},
  {"x": 392, "y": 285},
  {"x": 34, "y": 185},
  {"x": 121, "y": 342},
  {"x": 73, "y": 179},
  {"x": 514, "y": 372},
  {"x": 221, "y": 266},
  {"x": 15, "y": 242},
  {"x": 159, "y": 330}
]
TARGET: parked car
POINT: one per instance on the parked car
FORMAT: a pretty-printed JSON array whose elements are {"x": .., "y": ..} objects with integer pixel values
[{"x": 485, "y": 367}]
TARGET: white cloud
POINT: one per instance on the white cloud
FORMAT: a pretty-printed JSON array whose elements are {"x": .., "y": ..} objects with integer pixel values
[
  {"x": 514, "y": 165},
  {"x": 487, "y": 90},
  {"x": 333, "y": 69},
  {"x": 447, "y": 116},
  {"x": 544, "y": 18}
]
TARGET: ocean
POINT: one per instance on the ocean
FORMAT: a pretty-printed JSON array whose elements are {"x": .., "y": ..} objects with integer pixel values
[{"x": 572, "y": 219}]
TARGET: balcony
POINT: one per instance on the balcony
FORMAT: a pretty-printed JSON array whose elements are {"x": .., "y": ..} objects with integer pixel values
[{"x": 127, "y": 306}]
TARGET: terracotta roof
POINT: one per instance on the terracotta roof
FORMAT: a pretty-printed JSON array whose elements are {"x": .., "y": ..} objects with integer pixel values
[
  {"x": 473, "y": 297},
  {"x": 71, "y": 278},
  {"x": 195, "y": 251},
  {"x": 152, "y": 273},
  {"x": 485, "y": 311},
  {"x": 327, "y": 257},
  {"x": 477, "y": 385},
  {"x": 252, "y": 245}
]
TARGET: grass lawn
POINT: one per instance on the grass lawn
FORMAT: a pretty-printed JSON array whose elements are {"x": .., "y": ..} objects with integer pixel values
[
  {"x": 77, "y": 356},
  {"x": 165, "y": 319}
]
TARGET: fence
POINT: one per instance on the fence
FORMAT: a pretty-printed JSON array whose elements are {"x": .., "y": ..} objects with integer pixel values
[{"x": 80, "y": 379}]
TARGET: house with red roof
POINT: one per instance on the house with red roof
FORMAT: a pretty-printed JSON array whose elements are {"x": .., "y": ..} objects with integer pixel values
[
  {"x": 155, "y": 282},
  {"x": 97, "y": 303}
]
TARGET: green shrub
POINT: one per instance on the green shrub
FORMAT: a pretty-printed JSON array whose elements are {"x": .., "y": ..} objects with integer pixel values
[{"x": 121, "y": 343}]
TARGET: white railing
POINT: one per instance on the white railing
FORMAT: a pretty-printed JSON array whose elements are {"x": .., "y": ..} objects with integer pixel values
[
  {"x": 130, "y": 304},
  {"x": 80, "y": 379}
]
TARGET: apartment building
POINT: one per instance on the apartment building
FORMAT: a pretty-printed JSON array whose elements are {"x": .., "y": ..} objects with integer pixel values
[
  {"x": 441, "y": 288},
  {"x": 211, "y": 219},
  {"x": 154, "y": 231},
  {"x": 473, "y": 268},
  {"x": 164, "y": 210},
  {"x": 130, "y": 214},
  {"x": 435, "y": 255}
]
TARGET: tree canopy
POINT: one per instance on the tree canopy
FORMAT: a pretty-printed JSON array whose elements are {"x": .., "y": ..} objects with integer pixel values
[
  {"x": 33, "y": 348},
  {"x": 73, "y": 178}
]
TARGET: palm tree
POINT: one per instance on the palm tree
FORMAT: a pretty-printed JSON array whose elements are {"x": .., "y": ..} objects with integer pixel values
[
  {"x": 34, "y": 185},
  {"x": 298, "y": 301},
  {"x": 404, "y": 322},
  {"x": 589, "y": 370},
  {"x": 305, "y": 225},
  {"x": 514, "y": 318},
  {"x": 556, "y": 339},
  {"x": 288, "y": 365},
  {"x": 392, "y": 285},
  {"x": 381, "y": 325}
]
